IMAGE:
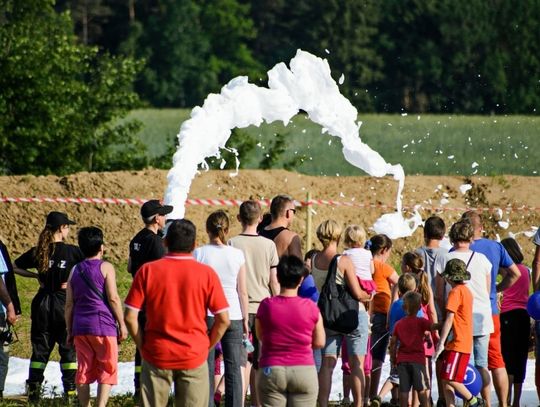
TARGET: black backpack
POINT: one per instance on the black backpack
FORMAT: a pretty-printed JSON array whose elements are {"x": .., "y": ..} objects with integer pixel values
[{"x": 338, "y": 308}]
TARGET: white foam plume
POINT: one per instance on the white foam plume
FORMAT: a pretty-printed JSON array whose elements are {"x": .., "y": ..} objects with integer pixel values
[{"x": 307, "y": 85}]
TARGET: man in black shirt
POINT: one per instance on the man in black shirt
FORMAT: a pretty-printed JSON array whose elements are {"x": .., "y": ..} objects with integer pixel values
[{"x": 146, "y": 246}]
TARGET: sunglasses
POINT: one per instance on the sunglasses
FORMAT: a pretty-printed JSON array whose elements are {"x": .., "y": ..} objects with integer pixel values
[{"x": 292, "y": 210}]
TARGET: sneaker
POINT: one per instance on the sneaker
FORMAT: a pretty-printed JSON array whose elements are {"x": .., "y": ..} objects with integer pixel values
[
  {"x": 474, "y": 402},
  {"x": 375, "y": 402}
]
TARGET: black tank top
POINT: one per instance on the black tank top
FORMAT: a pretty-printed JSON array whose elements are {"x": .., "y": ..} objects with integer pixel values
[{"x": 271, "y": 233}]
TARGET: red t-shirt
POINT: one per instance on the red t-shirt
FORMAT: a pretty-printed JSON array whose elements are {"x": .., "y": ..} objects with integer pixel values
[
  {"x": 176, "y": 292},
  {"x": 410, "y": 331}
]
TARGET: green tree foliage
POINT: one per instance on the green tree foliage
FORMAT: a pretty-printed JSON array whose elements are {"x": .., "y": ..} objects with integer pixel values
[
  {"x": 176, "y": 52},
  {"x": 229, "y": 27},
  {"x": 59, "y": 100},
  {"x": 89, "y": 17},
  {"x": 466, "y": 56},
  {"x": 518, "y": 43},
  {"x": 191, "y": 48},
  {"x": 342, "y": 31}
]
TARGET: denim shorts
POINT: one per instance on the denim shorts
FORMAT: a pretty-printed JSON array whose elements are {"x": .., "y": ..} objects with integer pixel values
[
  {"x": 356, "y": 341},
  {"x": 379, "y": 336},
  {"x": 479, "y": 354}
]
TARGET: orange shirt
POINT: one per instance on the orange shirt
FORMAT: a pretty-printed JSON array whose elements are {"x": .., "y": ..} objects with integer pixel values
[
  {"x": 460, "y": 302},
  {"x": 381, "y": 301},
  {"x": 176, "y": 292}
]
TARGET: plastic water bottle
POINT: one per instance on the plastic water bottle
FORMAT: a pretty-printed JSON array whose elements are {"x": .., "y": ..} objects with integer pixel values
[{"x": 248, "y": 345}]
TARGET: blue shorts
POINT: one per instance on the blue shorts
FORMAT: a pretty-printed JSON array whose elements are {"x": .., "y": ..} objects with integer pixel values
[
  {"x": 379, "y": 336},
  {"x": 356, "y": 341},
  {"x": 479, "y": 354}
]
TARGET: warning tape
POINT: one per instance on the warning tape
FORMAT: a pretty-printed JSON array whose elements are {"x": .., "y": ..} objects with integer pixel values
[{"x": 262, "y": 202}]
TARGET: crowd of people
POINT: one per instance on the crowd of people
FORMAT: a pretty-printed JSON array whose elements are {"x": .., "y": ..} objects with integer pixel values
[{"x": 277, "y": 320}]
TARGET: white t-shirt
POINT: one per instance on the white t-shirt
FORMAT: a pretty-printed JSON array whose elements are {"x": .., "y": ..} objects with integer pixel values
[
  {"x": 361, "y": 259},
  {"x": 480, "y": 269},
  {"x": 226, "y": 261}
]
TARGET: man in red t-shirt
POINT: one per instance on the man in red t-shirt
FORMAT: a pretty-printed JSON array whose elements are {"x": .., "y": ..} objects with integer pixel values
[{"x": 176, "y": 292}]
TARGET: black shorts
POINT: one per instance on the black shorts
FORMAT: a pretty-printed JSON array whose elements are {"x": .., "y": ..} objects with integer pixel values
[{"x": 515, "y": 333}]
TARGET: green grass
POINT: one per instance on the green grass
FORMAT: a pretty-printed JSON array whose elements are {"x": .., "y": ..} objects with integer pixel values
[{"x": 421, "y": 143}]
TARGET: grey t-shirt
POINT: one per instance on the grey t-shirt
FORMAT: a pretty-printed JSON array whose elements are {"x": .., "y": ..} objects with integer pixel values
[
  {"x": 430, "y": 257},
  {"x": 433, "y": 258}
]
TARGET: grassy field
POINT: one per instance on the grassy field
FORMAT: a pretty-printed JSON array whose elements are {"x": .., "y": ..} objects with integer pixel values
[{"x": 423, "y": 144}]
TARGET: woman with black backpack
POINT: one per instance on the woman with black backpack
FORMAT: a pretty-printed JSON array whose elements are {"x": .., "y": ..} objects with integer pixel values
[{"x": 324, "y": 266}]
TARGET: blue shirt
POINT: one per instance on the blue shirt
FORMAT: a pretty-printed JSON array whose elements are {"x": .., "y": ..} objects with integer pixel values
[
  {"x": 308, "y": 289},
  {"x": 498, "y": 257},
  {"x": 397, "y": 312}
]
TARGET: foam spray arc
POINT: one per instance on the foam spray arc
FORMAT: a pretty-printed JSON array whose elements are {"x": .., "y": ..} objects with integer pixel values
[{"x": 306, "y": 86}]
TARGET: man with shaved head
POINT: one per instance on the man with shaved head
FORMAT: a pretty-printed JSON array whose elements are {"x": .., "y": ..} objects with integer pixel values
[{"x": 499, "y": 259}]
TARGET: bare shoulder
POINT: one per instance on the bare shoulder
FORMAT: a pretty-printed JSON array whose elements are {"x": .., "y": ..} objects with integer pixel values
[
  {"x": 107, "y": 268},
  {"x": 345, "y": 261},
  {"x": 285, "y": 237}
]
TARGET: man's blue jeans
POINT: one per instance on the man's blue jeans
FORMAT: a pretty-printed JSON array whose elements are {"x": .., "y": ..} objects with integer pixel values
[{"x": 233, "y": 358}]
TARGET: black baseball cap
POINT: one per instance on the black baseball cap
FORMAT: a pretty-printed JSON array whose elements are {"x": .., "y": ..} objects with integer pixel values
[
  {"x": 154, "y": 207},
  {"x": 57, "y": 219}
]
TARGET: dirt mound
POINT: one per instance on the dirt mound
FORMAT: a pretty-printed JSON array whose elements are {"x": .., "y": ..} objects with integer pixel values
[{"x": 368, "y": 199}]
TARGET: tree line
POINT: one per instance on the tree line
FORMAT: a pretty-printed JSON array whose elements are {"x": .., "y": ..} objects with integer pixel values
[
  {"x": 70, "y": 70},
  {"x": 458, "y": 56}
]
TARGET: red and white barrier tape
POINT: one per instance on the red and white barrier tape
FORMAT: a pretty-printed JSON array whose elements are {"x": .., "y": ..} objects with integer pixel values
[{"x": 263, "y": 202}]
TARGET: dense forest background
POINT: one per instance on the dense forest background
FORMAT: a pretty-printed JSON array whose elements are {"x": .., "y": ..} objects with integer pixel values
[{"x": 468, "y": 56}]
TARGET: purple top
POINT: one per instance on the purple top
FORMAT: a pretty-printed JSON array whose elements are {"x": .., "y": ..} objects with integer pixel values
[{"x": 91, "y": 316}]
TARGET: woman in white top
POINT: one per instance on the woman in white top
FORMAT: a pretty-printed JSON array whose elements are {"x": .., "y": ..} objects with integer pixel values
[{"x": 229, "y": 264}]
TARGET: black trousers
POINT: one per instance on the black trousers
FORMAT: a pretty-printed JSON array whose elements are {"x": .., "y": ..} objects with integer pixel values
[{"x": 49, "y": 328}]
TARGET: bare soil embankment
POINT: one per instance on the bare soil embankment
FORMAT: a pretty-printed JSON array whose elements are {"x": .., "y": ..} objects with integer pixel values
[{"x": 22, "y": 222}]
